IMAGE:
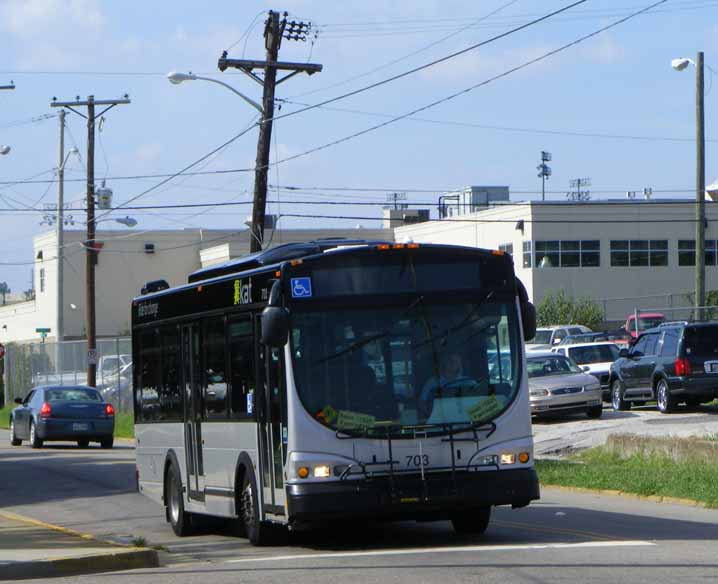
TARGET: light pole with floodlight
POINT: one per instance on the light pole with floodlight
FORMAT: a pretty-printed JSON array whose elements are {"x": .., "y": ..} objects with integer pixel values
[{"x": 700, "y": 275}]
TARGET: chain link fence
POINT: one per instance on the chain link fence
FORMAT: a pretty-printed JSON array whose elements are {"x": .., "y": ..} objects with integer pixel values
[{"x": 65, "y": 363}]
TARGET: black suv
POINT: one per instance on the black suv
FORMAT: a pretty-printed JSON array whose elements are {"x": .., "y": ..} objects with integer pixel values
[{"x": 670, "y": 364}]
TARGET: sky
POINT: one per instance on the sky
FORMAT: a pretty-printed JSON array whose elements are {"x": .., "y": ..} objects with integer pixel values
[{"x": 610, "y": 108}]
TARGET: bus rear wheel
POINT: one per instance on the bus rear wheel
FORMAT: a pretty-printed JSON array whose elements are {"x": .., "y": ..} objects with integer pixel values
[{"x": 473, "y": 522}]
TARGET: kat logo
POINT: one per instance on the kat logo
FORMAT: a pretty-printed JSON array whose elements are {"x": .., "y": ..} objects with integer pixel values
[{"x": 242, "y": 292}]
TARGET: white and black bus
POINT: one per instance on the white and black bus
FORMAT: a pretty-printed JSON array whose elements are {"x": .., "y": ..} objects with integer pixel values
[{"x": 334, "y": 380}]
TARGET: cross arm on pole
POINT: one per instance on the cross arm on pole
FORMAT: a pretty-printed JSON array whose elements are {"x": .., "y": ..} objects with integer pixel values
[{"x": 250, "y": 64}]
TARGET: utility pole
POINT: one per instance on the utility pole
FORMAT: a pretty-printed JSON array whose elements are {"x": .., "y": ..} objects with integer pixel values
[
  {"x": 700, "y": 192},
  {"x": 59, "y": 331},
  {"x": 274, "y": 30},
  {"x": 90, "y": 249}
]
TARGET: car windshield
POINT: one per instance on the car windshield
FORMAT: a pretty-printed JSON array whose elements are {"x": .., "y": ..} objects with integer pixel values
[
  {"x": 648, "y": 322},
  {"x": 542, "y": 337},
  {"x": 72, "y": 394},
  {"x": 370, "y": 369},
  {"x": 551, "y": 365},
  {"x": 594, "y": 354}
]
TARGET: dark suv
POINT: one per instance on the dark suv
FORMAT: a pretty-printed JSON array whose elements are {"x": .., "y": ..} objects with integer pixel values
[{"x": 669, "y": 364}]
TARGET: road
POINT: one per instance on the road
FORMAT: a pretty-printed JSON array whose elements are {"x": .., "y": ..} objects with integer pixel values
[{"x": 565, "y": 537}]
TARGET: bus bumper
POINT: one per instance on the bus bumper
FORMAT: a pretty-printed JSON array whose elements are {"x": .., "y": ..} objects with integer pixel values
[{"x": 438, "y": 497}]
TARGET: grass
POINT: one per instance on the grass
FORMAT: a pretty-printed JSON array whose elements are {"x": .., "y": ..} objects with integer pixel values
[
  {"x": 139, "y": 542},
  {"x": 123, "y": 422},
  {"x": 598, "y": 468}
]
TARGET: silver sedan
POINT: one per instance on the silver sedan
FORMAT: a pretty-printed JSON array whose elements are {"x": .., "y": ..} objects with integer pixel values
[{"x": 558, "y": 385}]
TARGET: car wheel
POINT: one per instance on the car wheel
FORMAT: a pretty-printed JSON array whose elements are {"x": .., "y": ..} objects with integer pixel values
[
  {"x": 256, "y": 530},
  {"x": 619, "y": 404},
  {"x": 83, "y": 443},
  {"x": 473, "y": 522},
  {"x": 14, "y": 440},
  {"x": 179, "y": 519},
  {"x": 35, "y": 442},
  {"x": 595, "y": 412},
  {"x": 107, "y": 443},
  {"x": 665, "y": 402}
]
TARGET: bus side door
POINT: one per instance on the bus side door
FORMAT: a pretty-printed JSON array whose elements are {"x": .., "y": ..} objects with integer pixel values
[
  {"x": 272, "y": 418},
  {"x": 193, "y": 412}
]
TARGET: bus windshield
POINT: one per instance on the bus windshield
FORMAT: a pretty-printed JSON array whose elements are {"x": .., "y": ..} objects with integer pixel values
[{"x": 420, "y": 363}]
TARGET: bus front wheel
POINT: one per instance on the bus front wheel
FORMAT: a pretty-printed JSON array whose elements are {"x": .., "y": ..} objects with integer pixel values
[
  {"x": 472, "y": 522},
  {"x": 256, "y": 530},
  {"x": 179, "y": 519}
]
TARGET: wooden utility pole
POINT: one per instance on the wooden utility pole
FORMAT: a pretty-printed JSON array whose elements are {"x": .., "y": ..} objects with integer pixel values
[
  {"x": 274, "y": 30},
  {"x": 90, "y": 248}
]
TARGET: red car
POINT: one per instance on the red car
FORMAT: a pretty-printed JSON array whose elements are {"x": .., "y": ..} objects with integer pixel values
[{"x": 646, "y": 320}]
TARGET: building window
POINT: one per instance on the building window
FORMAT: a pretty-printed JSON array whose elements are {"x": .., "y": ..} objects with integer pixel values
[
  {"x": 639, "y": 252},
  {"x": 507, "y": 248},
  {"x": 687, "y": 252},
  {"x": 42, "y": 279},
  {"x": 568, "y": 254},
  {"x": 528, "y": 257}
]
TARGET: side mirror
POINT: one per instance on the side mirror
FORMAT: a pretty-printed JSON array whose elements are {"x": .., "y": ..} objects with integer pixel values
[
  {"x": 528, "y": 312},
  {"x": 623, "y": 353},
  {"x": 18, "y": 400},
  {"x": 275, "y": 326},
  {"x": 585, "y": 368}
]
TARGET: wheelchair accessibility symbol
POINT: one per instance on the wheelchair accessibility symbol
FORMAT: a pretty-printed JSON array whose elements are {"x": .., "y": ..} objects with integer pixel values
[{"x": 301, "y": 287}]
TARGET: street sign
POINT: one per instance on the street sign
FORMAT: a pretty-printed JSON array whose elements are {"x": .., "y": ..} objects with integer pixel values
[
  {"x": 42, "y": 330},
  {"x": 92, "y": 357}
]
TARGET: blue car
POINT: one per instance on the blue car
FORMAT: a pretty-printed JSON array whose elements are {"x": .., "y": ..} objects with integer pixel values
[{"x": 68, "y": 413}]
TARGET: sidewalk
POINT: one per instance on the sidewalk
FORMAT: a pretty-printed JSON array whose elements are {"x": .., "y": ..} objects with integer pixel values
[{"x": 33, "y": 549}]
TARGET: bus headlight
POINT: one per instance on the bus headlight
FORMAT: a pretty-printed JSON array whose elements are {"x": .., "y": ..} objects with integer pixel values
[
  {"x": 508, "y": 458},
  {"x": 322, "y": 471}
]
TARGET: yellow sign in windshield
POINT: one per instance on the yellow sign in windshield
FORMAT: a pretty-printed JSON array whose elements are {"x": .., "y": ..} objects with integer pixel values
[
  {"x": 485, "y": 409},
  {"x": 348, "y": 420}
]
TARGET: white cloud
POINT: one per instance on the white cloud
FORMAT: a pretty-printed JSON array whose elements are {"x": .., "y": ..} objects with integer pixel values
[
  {"x": 148, "y": 153},
  {"x": 603, "y": 50},
  {"x": 477, "y": 65},
  {"x": 54, "y": 33}
]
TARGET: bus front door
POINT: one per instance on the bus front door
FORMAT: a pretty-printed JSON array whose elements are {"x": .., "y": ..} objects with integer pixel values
[
  {"x": 272, "y": 429},
  {"x": 193, "y": 412}
]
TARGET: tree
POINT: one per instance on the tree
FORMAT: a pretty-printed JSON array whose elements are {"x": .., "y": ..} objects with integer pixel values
[
  {"x": 557, "y": 308},
  {"x": 4, "y": 290}
]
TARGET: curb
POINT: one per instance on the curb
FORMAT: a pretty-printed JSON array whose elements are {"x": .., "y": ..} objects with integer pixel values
[
  {"x": 127, "y": 557},
  {"x": 616, "y": 493},
  {"x": 123, "y": 560}
]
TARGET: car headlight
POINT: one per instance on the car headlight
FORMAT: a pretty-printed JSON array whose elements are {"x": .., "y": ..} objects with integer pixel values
[
  {"x": 538, "y": 392},
  {"x": 592, "y": 387}
]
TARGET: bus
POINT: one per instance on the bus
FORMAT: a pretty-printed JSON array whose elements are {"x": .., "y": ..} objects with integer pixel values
[{"x": 335, "y": 380}]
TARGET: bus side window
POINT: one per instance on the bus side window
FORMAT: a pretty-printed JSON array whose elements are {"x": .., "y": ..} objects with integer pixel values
[
  {"x": 214, "y": 382},
  {"x": 241, "y": 356}
]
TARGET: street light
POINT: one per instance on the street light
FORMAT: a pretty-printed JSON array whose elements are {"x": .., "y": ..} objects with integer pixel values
[
  {"x": 177, "y": 78},
  {"x": 700, "y": 275},
  {"x": 126, "y": 221},
  {"x": 5, "y": 150}
]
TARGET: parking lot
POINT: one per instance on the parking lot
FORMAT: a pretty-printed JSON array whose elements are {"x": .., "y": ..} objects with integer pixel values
[{"x": 562, "y": 435}]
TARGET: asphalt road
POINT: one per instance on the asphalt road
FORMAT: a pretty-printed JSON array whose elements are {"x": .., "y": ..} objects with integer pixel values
[{"x": 565, "y": 537}]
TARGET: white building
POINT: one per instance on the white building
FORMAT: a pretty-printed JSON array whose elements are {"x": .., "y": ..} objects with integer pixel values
[
  {"x": 126, "y": 261},
  {"x": 623, "y": 253}
]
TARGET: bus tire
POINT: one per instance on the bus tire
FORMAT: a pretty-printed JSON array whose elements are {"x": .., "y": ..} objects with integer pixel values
[
  {"x": 257, "y": 531},
  {"x": 180, "y": 520},
  {"x": 472, "y": 522}
]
